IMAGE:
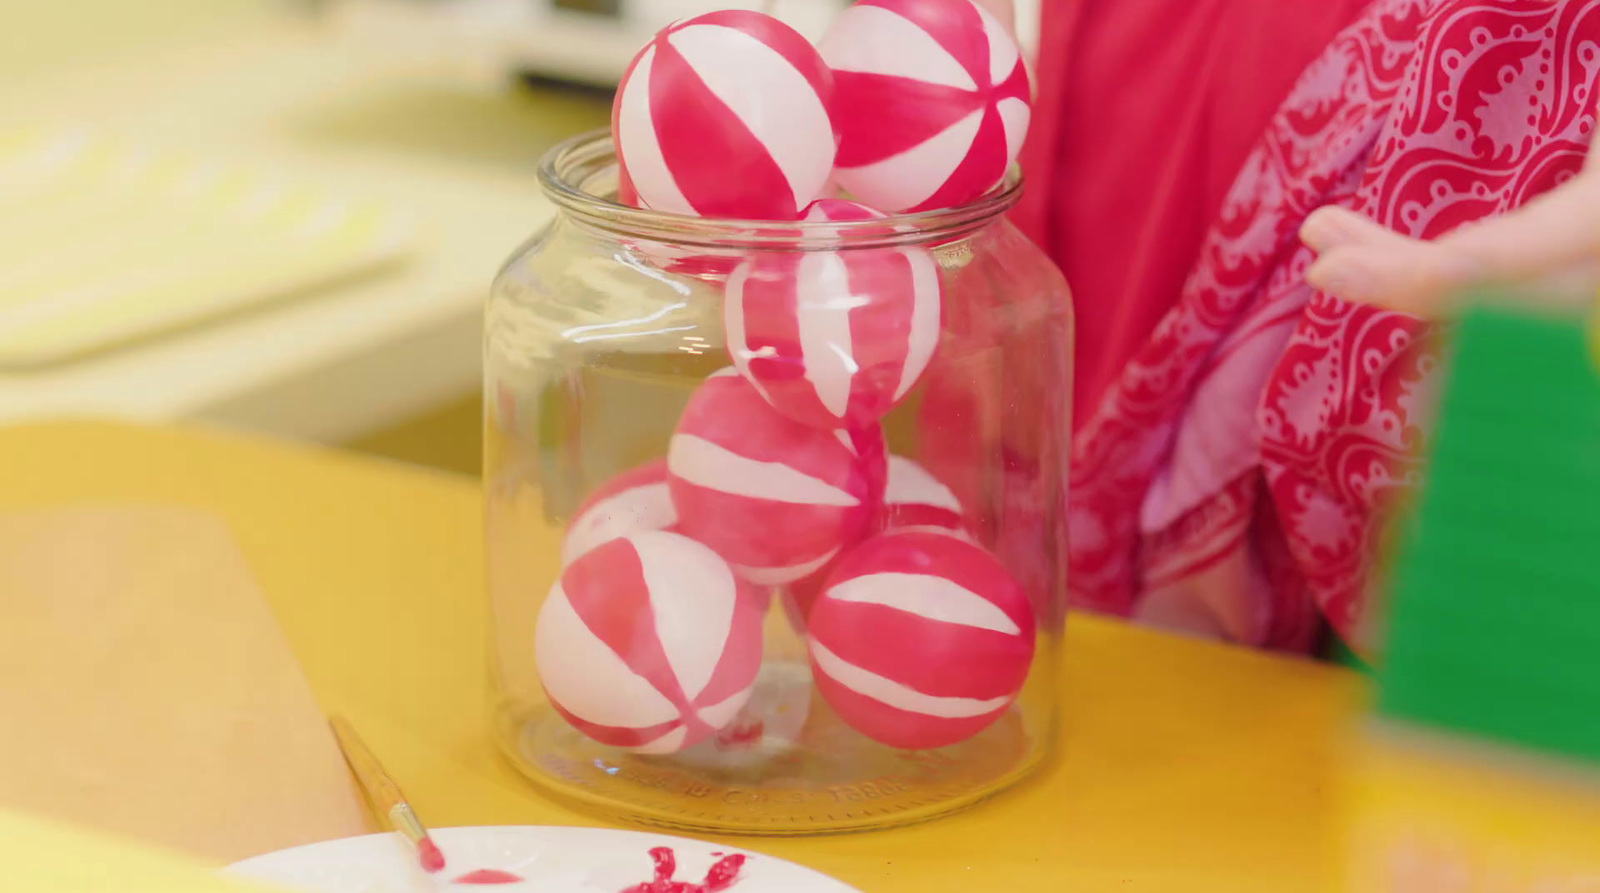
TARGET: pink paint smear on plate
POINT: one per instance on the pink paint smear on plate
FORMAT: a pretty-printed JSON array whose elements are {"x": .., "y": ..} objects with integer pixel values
[
  {"x": 486, "y": 876},
  {"x": 721, "y": 876}
]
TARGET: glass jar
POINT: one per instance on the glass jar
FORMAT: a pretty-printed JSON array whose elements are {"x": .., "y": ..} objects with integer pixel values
[{"x": 870, "y": 665}]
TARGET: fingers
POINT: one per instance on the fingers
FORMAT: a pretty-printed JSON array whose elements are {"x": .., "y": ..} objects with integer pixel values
[
  {"x": 1554, "y": 231},
  {"x": 1547, "y": 251},
  {"x": 1362, "y": 261},
  {"x": 1541, "y": 247},
  {"x": 1420, "y": 280},
  {"x": 1333, "y": 227}
]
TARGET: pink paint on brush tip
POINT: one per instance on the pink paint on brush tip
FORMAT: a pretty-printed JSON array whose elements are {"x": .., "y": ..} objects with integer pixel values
[
  {"x": 489, "y": 876},
  {"x": 429, "y": 854}
]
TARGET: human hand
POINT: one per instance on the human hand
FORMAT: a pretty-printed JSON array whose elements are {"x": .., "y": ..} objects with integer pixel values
[{"x": 1549, "y": 248}]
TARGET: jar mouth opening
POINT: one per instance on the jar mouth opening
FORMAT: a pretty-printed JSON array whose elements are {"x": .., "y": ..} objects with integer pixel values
[{"x": 580, "y": 176}]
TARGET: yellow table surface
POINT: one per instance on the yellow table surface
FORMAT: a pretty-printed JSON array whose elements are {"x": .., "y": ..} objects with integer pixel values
[{"x": 1183, "y": 766}]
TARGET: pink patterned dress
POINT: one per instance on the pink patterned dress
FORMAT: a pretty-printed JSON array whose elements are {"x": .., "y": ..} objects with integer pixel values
[{"x": 1250, "y": 451}]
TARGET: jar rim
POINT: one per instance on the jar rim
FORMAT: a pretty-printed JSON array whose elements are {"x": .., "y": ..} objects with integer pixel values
[{"x": 569, "y": 164}]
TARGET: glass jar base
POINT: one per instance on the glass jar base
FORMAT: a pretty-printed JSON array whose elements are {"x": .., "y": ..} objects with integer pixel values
[{"x": 761, "y": 778}]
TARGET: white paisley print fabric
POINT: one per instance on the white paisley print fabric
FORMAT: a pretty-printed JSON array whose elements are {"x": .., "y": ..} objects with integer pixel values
[{"x": 1270, "y": 426}]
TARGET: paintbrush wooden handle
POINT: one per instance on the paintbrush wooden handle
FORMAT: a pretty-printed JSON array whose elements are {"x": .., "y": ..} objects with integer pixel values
[{"x": 383, "y": 794}]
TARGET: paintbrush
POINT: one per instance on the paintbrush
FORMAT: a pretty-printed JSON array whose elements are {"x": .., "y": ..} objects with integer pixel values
[{"x": 388, "y": 804}]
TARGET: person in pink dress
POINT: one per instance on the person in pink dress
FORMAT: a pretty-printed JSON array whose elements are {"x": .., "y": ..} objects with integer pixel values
[{"x": 1247, "y": 413}]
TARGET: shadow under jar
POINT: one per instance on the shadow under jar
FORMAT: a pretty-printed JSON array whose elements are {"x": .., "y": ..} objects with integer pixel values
[{"x": 775, "y": 510}]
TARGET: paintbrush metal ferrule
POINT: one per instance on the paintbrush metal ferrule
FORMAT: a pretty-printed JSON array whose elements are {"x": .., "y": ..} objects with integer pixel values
[
  {"x": 384, "y": 796},
  {"x": 403, "y": 820}
]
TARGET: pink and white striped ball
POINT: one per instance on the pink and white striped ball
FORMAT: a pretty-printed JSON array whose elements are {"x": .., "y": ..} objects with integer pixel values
[
  {"x": 649, "y": 642},
  {"x": 680, "y": 261},
  {"x": 776, "y": 498},
  {"x": 932, "y": 102},
  {"x": 626, "y": 194},
  {"x": 914, "y": 499},
  {"x": 920, "y": 639},
  {"x": 634, "y": 501},
  {"x": 834, "y": 339},
  {"x": 834, "y": 209},
  {"x": 710, "y": 268},
  {"x": 697, "y": 123},
  {"x": 797, "y": 596}
]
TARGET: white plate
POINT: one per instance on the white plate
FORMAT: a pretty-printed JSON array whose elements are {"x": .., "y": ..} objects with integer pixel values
[{"x": 548, "y": 859}]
